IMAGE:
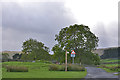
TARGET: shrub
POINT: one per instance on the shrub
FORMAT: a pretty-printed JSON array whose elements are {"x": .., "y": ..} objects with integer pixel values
[
  {"x": 116, "y": 68},
  {"x": 62, "y": 68},
  {"x": 4, "y": 65},
  {"x": 47, "y": 62},
  {"x": 16, "y": 69},
  {"x": 69, "y": 68},
  {"x": 75, "y": 68},
  {"x": 54, "y": 68}
]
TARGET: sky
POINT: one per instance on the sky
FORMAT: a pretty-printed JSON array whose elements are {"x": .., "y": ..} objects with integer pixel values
[{"x": 42, "y": 19}]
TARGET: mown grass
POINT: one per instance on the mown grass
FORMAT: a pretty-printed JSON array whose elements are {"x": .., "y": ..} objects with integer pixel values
[{"x": 39, "y": 70}]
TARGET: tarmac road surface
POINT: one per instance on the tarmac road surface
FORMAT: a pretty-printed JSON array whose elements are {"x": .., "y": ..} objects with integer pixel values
[{"x": 93, "y": 72}]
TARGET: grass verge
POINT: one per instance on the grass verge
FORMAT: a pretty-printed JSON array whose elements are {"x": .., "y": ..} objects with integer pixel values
[{"x": 40, "y": 70}]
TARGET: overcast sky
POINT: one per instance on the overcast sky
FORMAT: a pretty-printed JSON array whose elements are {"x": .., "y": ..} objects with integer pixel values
[{"x": 41, "y": 20}]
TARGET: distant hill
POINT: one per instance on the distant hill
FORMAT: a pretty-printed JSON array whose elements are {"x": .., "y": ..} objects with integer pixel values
[
  {"x": 11, "y": 53},
  {"x": 100, "y": 51}
]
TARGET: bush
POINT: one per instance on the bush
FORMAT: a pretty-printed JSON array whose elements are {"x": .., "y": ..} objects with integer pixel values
[
  {"x": 47, "y": 62},
  {"x": 116, "y": 68},
  {"x": 54, "y": 68},
  {"x": 75, "y": 68},
  {"x": 4, "y": 65},
  {"x": 16, "y": 69},
  {"x": 69, "y": 68}
]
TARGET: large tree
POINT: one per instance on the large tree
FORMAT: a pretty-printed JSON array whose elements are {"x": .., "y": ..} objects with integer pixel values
[
  {"x": 34, "y": 49},
  {"x": 58, "y": 53},
  {"x": 79, "y": 38}
]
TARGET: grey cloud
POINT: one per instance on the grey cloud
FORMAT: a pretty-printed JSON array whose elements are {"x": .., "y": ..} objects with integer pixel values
[
  {"x": 101, "y": 34},
  {"x": 119, "y": 23},
  {"x": 107, "y": 34},
  {"x": 36, "y": 17},
  {"x": 40, "y": 21}
]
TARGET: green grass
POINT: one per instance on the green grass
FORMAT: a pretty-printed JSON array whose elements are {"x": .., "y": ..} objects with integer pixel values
[
  {"x": 40, "y": 70},
  {"x": 109, "y": 65},
  {"x": 109, "y": 60},
  {"x": 108, "y": 70},
  {"x": 0, "y": 70}
]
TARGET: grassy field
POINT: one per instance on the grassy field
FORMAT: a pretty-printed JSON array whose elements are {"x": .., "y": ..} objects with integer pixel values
[
  {"x": 0, "y": 70},
  {"x": 109, "y": 60},
  {"x": 39, "y": 70},
  {"x": 109, "y": 65}
]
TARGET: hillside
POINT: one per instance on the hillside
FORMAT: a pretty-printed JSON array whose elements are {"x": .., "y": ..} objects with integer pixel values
[
  {"x": 100, "y": 51},
  {"x": 11, "y": 53}
]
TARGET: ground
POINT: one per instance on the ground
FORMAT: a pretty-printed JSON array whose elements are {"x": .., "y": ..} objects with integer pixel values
[
  {"x": 40, "y": 70},
  {"x": 103, "y": 72},
  {"x": 93, "y": 72}
]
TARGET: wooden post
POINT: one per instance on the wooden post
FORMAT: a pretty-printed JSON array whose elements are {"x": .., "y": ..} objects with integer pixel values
[
  {"x": 73, "y": 60},
  {"x": 66, "y": 61}
]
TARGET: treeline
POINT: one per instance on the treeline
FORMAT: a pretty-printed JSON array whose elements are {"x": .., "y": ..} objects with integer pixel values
[
  {"x": 111, "y": 53},
  {"x": 35, "y": 50},
  {"x": 80, "y": 39},
  {"x": 32, "y": 50},
  {"x": 80, "y": 57},
  {"x": 75, "y": 37}
]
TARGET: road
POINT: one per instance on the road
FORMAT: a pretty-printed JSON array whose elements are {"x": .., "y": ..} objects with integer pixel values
[{"x": 93, "y": 72}]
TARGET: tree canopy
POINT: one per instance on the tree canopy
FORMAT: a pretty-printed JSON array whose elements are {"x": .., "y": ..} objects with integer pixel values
[
  {"x": 78, "y": 38},
  {"x": 34, "y": 49},
  {"x": 5, "y": 56}
]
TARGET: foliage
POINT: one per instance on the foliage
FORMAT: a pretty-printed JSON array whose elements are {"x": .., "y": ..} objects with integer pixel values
[
  {"x": 35, "y": 50},
  {"x": 5, "y": 56},
  {"x": 78, "y": 38},
  {"x": 110, "y": 65},
  {"x": 54, "y": 68},
  {"x": 110, "y": 60},
  {"x": 75, "y": 68},
  {"x": 17, "y": 56},
  {"x": 39, "y": 70},
  {"x": 90, "y": 58},
  {"x": 59, "y": 53},
  {"x": 44, "y": 61},
  {"x": 111, "y": 53},
  {"x": 16, "y": 69},
  {"x": 112, "y": 68},
  {"x": 70, "y": 67}
]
